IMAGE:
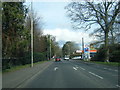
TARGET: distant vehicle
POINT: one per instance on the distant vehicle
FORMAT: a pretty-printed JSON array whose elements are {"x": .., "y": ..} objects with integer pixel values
[
  {"x": 78, "y": 57},
  {"x": 57, "y": 59},
  {"x": 66, "y": 58}
]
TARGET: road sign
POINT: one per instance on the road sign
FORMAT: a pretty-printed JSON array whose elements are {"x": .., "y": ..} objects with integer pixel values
[
  {"x": 86, "y": 50},
  {"x": 87, "y": 53}
]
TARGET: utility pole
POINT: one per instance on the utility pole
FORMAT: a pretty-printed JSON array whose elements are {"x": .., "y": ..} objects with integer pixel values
[
  {"x": 50, "y": 47},
  {"x": 83, "y": 48},
  {"x": 31, "y": 35},
  {"x": 47, "y": 48}
]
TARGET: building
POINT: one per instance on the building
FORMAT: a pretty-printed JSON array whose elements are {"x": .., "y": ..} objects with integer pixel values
[{"x": 91, "y": 52}]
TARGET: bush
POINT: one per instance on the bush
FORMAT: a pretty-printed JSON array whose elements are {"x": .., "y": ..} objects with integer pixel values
[
  {"x": 8, "y": 63},
  {"x": 100, "y": 56},
  {"x": 26, "y": 59},
  {"x": 113, "y": 54},
  {"x": 39, "y": 56}
]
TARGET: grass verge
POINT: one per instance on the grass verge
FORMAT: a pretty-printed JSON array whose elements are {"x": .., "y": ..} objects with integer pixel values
[
  {"x": 107, "y": 63},
  {"x": 15, "y": 68}
]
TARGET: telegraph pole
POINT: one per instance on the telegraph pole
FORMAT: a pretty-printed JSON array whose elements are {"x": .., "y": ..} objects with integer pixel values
[
  {"x": 31, "y": 35},
  {"x": 50, "y": 47}
]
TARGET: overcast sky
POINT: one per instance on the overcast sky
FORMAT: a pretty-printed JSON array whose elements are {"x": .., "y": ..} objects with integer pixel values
[{"x": 58, "y": 24}]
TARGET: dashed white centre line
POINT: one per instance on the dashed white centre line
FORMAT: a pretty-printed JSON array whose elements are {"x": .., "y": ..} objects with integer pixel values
[
  {"x": 96, "y": 75},
  {"x": 74, "y": 68}
]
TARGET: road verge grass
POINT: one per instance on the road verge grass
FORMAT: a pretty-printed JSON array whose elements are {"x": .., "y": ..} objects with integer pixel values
[
  {"x": 106, "y": 63},
  {"x": 15, "y": 68}
]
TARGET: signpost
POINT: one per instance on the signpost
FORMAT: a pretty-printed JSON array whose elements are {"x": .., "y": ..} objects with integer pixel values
[
  {"x": 83, "y": 48},
  {"x": 87, "y": 53}
]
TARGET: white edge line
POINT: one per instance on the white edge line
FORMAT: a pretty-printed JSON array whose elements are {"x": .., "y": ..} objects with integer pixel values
[{"x": 96, "y": 75}]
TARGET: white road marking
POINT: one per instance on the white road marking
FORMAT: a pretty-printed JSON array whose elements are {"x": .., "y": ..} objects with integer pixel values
[
  {"x": 74, "y": 68},
  {"x": 96, "y": 75},
  {"x": 115, "y": 75},
  {"x": 82, "y": 68},
  {"x": 118, "y": 86},
  {"x": 55, "y": 68},
  {"x": 110, "y": 69},
  {"x": 77, "y": 67},
  {"x": 105, "y": 68},
  {"x": 116, "y": 70}
]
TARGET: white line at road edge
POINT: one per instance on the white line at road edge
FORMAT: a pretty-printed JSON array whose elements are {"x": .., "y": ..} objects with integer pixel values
[
  {"x": 110, "y": 69},
  {"x": 74, "y": 68},
  {"x": 118, "y": 86},
  {"x": 55, "y": 68},
  {"x": 96, "y": 75}
]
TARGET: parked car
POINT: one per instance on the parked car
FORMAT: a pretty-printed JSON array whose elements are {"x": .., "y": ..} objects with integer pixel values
[{"x": 57, "y": 59}]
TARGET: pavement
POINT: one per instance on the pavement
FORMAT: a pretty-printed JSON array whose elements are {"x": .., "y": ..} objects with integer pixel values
[
  {"x": 64, "y": 74},
  {"x": 16, "y": 78}
]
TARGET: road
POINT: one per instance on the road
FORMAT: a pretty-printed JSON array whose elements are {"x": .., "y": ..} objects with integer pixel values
[{"x": 74, "y": 74}]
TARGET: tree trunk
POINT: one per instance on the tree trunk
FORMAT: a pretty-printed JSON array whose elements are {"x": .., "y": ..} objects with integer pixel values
[{"x": 106, "y": 47}]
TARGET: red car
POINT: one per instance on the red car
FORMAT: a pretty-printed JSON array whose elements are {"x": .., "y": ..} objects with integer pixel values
[{"x": 57, "y": 59}]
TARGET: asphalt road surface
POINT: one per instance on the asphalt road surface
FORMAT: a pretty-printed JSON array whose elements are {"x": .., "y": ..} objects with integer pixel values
[{"x": 74, "y": 74}]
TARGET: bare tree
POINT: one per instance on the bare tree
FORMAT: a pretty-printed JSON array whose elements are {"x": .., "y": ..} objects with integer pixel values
[
  {"x": 38, "y": 30},
  {"x": 102, "y": 14}
]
